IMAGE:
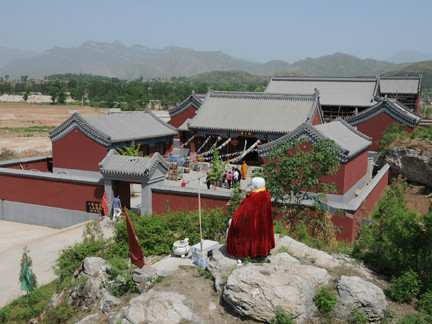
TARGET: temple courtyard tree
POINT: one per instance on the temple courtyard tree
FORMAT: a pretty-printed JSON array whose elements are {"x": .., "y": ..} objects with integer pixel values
[{"x": 294, "y": 177}]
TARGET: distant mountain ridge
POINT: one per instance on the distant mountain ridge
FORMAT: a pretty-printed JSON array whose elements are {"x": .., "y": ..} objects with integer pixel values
[
  {"x": 8, "y": 55},
  {"x": 117, "y": 60}
]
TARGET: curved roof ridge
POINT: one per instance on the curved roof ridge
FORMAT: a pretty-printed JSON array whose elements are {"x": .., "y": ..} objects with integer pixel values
[
  {"x": 193, "y": 98},
  {"x": 76, "y": 120},
  {"x": 394, "y": 108}
]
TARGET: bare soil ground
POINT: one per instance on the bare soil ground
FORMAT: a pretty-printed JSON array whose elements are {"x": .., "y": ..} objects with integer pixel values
[
  {"x": 418, "y": 198},
  {"x": 19, "y": 115}
]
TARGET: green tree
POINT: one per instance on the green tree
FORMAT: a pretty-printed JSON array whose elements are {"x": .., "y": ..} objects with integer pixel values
[
  {"x": 131, "y": 150},
  {"x": 218, "y": 167},
  {"x": 294, "y": 174},
  {"x": 26, "y": 260}
]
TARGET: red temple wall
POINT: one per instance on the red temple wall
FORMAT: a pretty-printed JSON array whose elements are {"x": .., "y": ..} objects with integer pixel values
[
  {"x": 36, "y": 165},
  {"x": 376, "y": 126},
  {"x": 163, "y": 201},
  {"x": 77, "y": 151},
  {"x": 45, "y": 192}
]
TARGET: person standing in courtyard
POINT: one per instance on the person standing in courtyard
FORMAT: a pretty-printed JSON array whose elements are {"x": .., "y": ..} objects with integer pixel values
[
  {"x": 117, "y": 206},
  {"x": 244, "y": 170}
]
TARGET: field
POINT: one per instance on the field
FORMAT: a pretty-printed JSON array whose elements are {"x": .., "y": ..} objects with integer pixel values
[{"x": 24, "y": 127}]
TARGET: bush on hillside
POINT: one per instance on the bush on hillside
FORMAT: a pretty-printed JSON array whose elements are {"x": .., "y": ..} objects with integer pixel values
[
  {"x": 157, "y": 234},
  {"x": 406, "y": 287}
]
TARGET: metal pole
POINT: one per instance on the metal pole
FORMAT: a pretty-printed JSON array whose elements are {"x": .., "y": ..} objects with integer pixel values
[{"x": 199, "y": 211}]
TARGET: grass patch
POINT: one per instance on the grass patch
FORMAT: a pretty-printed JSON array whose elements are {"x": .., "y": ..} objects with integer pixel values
[{"x": 31, "y": 129}]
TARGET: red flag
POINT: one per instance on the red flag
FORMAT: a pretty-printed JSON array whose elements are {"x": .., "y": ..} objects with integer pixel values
[
  {"x": 104, "y": 204},
  {"x": 136, "y": 253}
]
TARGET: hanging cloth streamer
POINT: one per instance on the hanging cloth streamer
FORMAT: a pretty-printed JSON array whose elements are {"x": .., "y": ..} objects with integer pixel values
[
  {"x": 205, "y": 142},
  {"x": 250, "y": 149},
  {"x": 188, "y": 141}
]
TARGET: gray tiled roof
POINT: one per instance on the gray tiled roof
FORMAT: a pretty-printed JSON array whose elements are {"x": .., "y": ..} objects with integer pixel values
[
  {"x": 354, "y": 92},
  {"x": 115, "y": 128},
  {"x": 272, "y": 113},
  {"x": 345, "y": 136},
  {"x": 127, "y": 127},
  {"x": 392, "y": 107},
  {"x": 405, "y": 85},
  {"x": 348, "y": 141},
  {"x": 131, "y": 166}
]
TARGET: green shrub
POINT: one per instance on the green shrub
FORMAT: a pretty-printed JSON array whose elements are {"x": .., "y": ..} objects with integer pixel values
[
  {"x": 325, "y": 300},
  {"x": 120, "y": 277},
  {"x": 406, "y": 287},
  {"x": 416, "y": 318},
  {"x": 391, "y": 133},
  {"x": 282, "y": 317},
  {"x": 157, "y": 234},
  {"x": 359, "y": 317},
  {"x": 425, "y": 303},
  {"x": 60, "y": 314},
  {"x": 5, "y": 313}
]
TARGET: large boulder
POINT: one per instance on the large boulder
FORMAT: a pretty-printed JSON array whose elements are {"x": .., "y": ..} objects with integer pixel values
[
  {"x": 90, "y": 319},
  {"x": 414, "y": 163},
  {"x": 155, "y": 307},
  {"x": 354, "y": 292},
  {"x": 86, "y": 293},
  {"x": 256, "y": 290},
  {"x": 108, "y": 302}
]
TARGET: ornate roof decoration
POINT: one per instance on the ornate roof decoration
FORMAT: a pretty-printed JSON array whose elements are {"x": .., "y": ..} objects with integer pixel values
[
  {"x": 392, "y": 107},
  {"x": 193, "y": 99},
  {"x": 135, "y": 167},
  {"x": 257, "y": 112},
  {"x": 109, "y": 129},
  {"x": 347, "y": 141}
]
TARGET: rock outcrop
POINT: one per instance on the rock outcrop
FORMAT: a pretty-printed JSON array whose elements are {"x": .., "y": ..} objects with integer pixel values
[
  {"x": 413, "y": 163},
  {"x": 155, "y": 307},
  {"x": 366, "y": 297},
  {"x": 257, "y": 290}
]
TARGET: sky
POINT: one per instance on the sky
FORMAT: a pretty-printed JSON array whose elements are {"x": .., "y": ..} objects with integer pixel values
[{"x": 258, "y": 31}]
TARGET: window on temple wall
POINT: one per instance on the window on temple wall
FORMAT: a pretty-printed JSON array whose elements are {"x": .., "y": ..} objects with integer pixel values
[
  {"x": 160, "y": 147},
  {"x": 144, "y": 150}
]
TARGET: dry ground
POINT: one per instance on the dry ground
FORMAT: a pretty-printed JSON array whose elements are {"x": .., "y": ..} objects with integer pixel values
[{"x": 21, "y": 115}]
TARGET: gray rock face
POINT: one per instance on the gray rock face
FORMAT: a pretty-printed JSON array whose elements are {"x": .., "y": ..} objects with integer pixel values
[
  {"x": 108, "y": 302},
  {"x": 88, "y": 292},
  {"x": 220, "y": 265},
  {"x": 144, "y": 277},
  {"x": 355, "y": 292},
  {"x": 94, "y": 266},
  {"x": 91, "y": 319},
  {"x": 305, "y": 253},
  {"x": 412, "y": 163},
  {"x": 257, "y": 290},
  {"x": 155, "y": 307}
]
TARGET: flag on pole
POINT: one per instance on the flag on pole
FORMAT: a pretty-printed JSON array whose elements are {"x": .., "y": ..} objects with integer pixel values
[
  {"x": 136, "y": 253},
  {"x": 104, "y": 205},
  {"x": 27, "y": 282}
]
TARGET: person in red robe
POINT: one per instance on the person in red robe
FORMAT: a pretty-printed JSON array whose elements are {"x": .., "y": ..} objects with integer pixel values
[{"x": 251, "y": 231}]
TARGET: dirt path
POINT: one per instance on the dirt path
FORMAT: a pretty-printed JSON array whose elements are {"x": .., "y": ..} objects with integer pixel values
[
  {"x": 44, "y": 244},
  {"x": 30, "y": 143}
]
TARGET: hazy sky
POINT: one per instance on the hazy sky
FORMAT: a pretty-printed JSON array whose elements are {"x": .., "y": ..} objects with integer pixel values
[{"x": 256, "y": 30}]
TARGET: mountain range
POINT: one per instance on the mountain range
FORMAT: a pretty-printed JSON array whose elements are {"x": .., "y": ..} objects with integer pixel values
[{"x": 117, "y": 60}]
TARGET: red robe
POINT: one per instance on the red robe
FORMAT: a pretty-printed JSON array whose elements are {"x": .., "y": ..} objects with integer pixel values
[{"x": 251, "y": 232}]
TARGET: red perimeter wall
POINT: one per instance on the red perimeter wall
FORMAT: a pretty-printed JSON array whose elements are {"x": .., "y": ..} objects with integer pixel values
[
  {"x": 48, "y": 192},
  {"x": 163, "y": 201},
  {"x": 349, "y": 173},
  {"x": 352, "y": 226},
  {"x": 376, "y": 126},
  {"x": 77, "y": 151},
  {"x": 35, "y": 165}
]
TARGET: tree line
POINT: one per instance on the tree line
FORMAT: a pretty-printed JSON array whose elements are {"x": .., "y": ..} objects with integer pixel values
[{"x": 101, "y": 91}]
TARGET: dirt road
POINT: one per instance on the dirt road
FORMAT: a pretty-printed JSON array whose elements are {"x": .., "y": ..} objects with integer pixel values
[{"x": 44, "y": 244}]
